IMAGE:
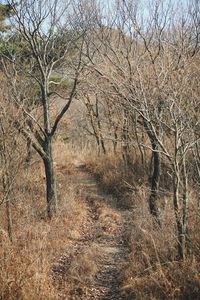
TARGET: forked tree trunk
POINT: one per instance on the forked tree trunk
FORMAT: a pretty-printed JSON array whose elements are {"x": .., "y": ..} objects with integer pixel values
[{"x": 51, "y": 194}]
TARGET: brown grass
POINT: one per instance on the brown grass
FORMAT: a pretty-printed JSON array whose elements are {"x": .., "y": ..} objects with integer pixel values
[
  {"x": 153, "y": 271},
  {"x": 109, "y": 172},
  {"x": 26, "y": 264},
  {"x": 46, "y": 259}
]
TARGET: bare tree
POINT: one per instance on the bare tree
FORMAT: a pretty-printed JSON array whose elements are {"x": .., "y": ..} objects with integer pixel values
[
  {"x": 147, "y": 62},
  {"x": 42, "y": 45}
]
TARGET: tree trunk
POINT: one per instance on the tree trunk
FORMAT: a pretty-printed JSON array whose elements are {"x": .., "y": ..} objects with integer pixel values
[
  {"x": 103, "y": 145},
  {"x": 51, "y": 195},
  {"x": 7, "y": 192},
  {"x": 186, "y": 210},
  {"x": 176, "y": 184},
  {"x": 125, "y": 141},
  {"x": 9, "y": 219},
  {"x": 155, "y": 179},
  {"x": 134, "y": 124},
  {"x": 99, "y": 127},
  {"x": 115, "y": 142}
]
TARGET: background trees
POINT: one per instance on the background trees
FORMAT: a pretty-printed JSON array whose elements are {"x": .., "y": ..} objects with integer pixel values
[
  {"x": 127, "y": 75},
  {"x": 146, "y": 63}
]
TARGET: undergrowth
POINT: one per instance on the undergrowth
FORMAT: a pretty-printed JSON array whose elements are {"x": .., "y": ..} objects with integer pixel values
[
  {"x": 153, "y": 270},
  {"x": 29, "y": 267}
]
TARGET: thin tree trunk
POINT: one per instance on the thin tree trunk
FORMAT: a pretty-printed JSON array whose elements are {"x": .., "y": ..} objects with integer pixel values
[
  {"x": 115, "y": 141},
  {"x": 176, "y": 184},
  {"x": 9, "y": 219},
  {"x": 7, "y": 192},
  {"x": 99, "y": 126},
  {"x": 125, "y": 142},
  {"x": 155, "y": 180},
  {"x": 51, "y": 194},
  {"x": 134, "y": 121},
  {"x": 185, "y": 210}
]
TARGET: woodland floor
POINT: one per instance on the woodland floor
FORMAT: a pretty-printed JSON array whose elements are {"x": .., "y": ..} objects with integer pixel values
[{"x": 102, "y": 239}]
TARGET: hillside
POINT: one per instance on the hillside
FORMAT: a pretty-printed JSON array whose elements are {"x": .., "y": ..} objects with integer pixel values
[{"x": 99, "y": 150}]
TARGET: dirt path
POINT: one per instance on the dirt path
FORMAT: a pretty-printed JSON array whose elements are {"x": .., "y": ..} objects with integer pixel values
[{"x": 104, "y": 236}]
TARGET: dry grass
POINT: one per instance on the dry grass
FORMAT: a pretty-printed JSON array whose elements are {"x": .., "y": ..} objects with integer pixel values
[
  {"x": 24, "y": 268},
  {"x": 109, "y": 171},
  {"x": 46, "y": 259},
  {"x": 153, "y": 271},
  {"x": 26, "y": 264}
]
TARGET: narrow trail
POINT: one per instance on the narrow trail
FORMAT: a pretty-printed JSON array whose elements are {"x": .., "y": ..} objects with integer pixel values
[{"x": 106, "y": 234}]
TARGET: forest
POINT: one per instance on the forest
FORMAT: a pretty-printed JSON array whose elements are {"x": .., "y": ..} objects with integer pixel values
[{"x": 99, "y": 149}]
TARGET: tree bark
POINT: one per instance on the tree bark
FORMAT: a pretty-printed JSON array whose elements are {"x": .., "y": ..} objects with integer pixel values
[
  {"x": 176, "y": 184},
  {"x": 99, "y": 126},
  {"x": 51, "y": 194},
  {"x": 9, "y": 219},
  {"x": 186, "y": 209},
  {"x": 125, "y": 141},
  {"x": 155, "y": 180},
  {"x": 115, "y": 141}
]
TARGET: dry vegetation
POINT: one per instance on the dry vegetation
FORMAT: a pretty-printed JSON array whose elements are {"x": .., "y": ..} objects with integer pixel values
[
  {"x": 52, "y": 259},
  {"x": 99, "y": 150},
  {"x": 153, "y": 271},
  {"x": 46, "y": 259},
  {"x": 26, "y": 264}
]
